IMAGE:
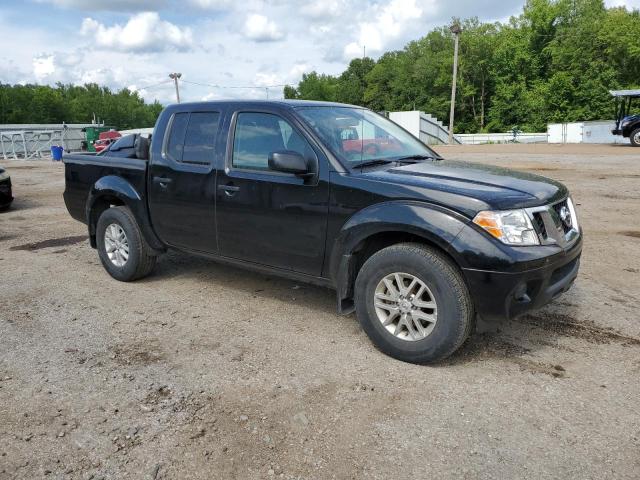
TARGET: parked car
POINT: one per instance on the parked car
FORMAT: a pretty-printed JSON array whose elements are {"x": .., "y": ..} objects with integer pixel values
[
  {"x": 105, "y": 139},
  {"x": 420, "y": 247},
  {"x": 6, "y": 196}
]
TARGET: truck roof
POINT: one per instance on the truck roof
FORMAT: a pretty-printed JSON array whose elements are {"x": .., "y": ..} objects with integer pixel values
[{"x": 287, "y": 102}]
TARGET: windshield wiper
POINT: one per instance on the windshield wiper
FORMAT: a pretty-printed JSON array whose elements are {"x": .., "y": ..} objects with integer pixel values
[
  {"x": 372, "y": 163},
  {"x": 417, "y": 157}
]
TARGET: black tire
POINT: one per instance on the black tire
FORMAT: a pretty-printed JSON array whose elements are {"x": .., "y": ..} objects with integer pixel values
[
  {"x": 141, "y": 258},
  {"x": 455, "y": 315},
  {"x": 635, "y": 137}
]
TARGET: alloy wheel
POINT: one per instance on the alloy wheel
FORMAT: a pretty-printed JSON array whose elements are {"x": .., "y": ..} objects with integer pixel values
[{"x": 405, "y": 306}]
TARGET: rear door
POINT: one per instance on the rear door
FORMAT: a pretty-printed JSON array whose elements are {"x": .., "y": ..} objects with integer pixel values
[
  {"x": 267, "y": 217},
  {"x": 182, "y": 181}
]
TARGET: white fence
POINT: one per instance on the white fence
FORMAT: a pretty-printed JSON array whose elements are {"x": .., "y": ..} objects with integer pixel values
[
  {"x": 510, "y": 137},
  {"x": 584, "y": 132}
]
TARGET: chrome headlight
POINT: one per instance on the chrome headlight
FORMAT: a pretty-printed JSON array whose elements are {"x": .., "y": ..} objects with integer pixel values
[{"x": 512, "y": 227}]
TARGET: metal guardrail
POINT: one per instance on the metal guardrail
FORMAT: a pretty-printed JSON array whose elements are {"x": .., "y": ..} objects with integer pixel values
[
  {"x": 35, "y": 141},
  {"x": 436, "y": 134},
  {"x": 28, "y": 144}
]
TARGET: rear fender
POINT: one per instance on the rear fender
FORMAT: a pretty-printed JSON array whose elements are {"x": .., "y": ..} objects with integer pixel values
[
  {"x": 435, "y": 224},
  {"x": 110, "y": 187}
]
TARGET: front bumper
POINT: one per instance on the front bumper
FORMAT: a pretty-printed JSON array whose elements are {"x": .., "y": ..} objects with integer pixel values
[
  {"x": 5, "y": 193},
  {"x": 501, "y": 295}
]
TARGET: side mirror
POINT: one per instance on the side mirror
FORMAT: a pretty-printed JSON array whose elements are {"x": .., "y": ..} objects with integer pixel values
[{"x": 288, "y": 161}]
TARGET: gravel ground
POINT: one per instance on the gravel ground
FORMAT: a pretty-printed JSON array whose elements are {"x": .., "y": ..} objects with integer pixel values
[{"x": 206, "y": 371}]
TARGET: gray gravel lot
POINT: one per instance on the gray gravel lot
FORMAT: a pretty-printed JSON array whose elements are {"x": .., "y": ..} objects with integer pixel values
[{"x": 207, "y": 371}]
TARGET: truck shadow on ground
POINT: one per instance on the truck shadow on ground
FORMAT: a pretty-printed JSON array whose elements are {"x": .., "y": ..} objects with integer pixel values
[
  {"x": 254, "y": 285},
  {"x": 516, "y": 342}
]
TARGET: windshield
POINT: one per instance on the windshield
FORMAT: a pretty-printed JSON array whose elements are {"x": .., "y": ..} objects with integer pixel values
[{"x": 357, "y": 135}]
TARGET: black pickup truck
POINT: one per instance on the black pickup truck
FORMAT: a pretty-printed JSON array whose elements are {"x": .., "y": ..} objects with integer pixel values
[{"x": 420, "y": 247}]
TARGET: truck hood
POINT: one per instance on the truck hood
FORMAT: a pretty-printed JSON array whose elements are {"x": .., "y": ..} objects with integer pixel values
[{"x": 476, "y": 186}]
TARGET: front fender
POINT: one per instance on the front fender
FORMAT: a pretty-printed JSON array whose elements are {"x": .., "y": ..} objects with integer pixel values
[
  {"x": 112, "y": 186},
  {"x": 437, "y": 225}
]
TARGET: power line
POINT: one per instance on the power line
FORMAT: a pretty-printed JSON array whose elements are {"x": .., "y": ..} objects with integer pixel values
[
  {"x": 259, "y": 87},
  {"x": 154, "y": 85}
]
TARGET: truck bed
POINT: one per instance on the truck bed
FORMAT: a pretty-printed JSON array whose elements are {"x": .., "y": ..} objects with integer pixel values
[{"x": 85, "y": 172}]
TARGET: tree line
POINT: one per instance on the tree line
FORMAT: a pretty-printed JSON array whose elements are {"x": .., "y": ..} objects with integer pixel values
[
  {"x": 555, "y": 62},
  {"x": 75, "y": 104}
]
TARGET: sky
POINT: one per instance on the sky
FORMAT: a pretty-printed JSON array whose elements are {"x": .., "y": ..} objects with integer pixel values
[{"x": 219, "y": 46}]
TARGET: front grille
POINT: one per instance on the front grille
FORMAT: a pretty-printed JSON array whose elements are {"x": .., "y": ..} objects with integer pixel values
[
  {"x": 564, "y": 216},
  {"x": 555, "y": 223},
  {"x": 542, "y": 230}
]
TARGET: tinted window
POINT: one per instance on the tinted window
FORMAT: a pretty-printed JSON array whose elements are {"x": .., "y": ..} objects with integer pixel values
[
  {"x": 175, "y": 143},
  {"x": 199, "y": 141},
  {"x": 259, "y": 134}
]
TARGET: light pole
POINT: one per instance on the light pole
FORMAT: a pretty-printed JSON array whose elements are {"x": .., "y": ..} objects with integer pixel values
[
  {"x": 455, "y": 29},
  {"x": 175, "y": 77}
]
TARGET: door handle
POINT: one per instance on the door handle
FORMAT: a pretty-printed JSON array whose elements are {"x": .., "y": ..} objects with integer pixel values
[
  {"x": 162, "y": 181},
  {"x": 229, "y": 189}
]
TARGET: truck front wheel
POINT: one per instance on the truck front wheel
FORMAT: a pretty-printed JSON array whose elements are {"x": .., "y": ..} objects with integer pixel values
[
  {"x": 413, "y": 303},
  {"x": 635, "y": 137},
  {"x": 123, "y": 251}
]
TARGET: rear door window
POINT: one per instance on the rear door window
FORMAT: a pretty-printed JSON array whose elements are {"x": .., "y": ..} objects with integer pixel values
[
  {"x": 175, "y": 142},
  {"x": 192, "y": 137},
  {"x": 200, "y": 138}
]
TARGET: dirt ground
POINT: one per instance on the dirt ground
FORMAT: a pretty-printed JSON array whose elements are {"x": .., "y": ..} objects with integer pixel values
[{"x": 206, "y": 371}]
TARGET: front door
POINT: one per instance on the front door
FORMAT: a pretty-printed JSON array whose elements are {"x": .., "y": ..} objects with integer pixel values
[
  {"x": 267, "y": 217},
  {"x": 182, "y": 182}
]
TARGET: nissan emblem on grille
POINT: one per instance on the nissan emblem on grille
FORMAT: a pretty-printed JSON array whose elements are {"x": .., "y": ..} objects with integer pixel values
[{"x": 565, "y": 216}]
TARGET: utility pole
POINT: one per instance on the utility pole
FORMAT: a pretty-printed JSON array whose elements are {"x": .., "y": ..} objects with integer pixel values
[
  {"x": 455, "y": 29},
  {"x": 175, "y": 76}
]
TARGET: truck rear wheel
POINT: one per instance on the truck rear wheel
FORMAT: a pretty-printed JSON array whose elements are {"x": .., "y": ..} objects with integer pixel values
[
  {"x": 123, "y": 251},
  {"x": 413, "y": 303},
  {"x": 635, "y": 137}
]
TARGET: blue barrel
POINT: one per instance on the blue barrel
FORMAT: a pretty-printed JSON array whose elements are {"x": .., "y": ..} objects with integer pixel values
[{"x": 56, "y": 153}]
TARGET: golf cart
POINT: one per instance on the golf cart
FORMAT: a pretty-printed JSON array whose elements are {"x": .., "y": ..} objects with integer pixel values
[{"x": 627, "y": 124}]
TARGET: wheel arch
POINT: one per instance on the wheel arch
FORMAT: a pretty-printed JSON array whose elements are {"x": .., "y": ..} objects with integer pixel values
[
  {"x": 112, "y": 191},
  {"x": 383, "y": 225}
]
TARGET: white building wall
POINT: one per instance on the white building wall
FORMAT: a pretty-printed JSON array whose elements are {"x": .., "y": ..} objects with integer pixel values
[
  {"x": 584, "y": 132},
  {"x": 408, "y": 120},
  {"x": 423, "y": 126}
]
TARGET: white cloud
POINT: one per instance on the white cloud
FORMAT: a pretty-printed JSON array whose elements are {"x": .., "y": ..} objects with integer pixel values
[
  {"x": 630, "y": 4},
  {"x": 143, "y": 32},
  {"x": 259, "y": 28},
  {"x": 388, "y": 23},
  {"x": 43, "y": 66},
  {"x": 320, "y": 10}
]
